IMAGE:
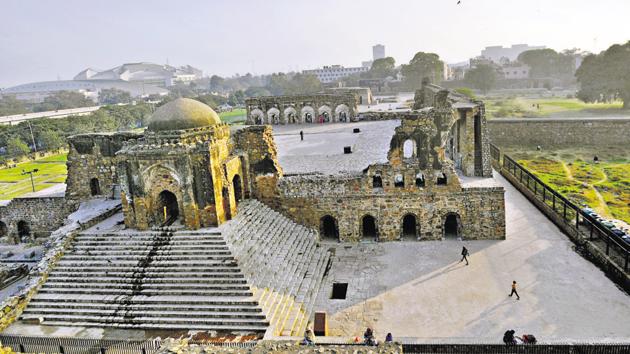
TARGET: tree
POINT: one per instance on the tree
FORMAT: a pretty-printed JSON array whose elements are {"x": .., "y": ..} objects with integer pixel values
[
  {"x": 548, "y": 63},
  {"x": 50, "y": 140},
  {"x": 256, "y": 91},
  {"x": 113, "y": 96},
  {"x": 63, "y": 100},
  {"x": 423, "y": 65},
  {"x": 16, "y": 147},
  {"x": 216, "y": 83},
  {"x": 236, "y": 98},
  {"x": 606, "y": 76},
  {"x": 382, "y": 68},
  {"x": 9, "y": 105},
  {"x": 482, "y": 77},
  {"x": 303, "y": 84}
]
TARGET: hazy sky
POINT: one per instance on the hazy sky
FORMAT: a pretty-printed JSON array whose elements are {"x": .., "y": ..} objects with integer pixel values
[{"x": 44, "y": 40}]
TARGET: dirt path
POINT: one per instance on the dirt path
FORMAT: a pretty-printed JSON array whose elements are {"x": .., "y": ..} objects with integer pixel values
[{"x": 602, "y": 208}]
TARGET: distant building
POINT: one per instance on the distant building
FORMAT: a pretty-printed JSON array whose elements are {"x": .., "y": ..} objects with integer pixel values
[
  {"x": 332, "y": 73},
  {"x": 497, "y": 53},
  {"x": 378, "y": 52},
  {"x": 146, "y": 73},
  {"x": 515, "y": 71},
  {"x": 363, "y": 93}
]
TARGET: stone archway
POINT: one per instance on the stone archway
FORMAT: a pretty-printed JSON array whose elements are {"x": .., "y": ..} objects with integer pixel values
[
  {"x": 23, "y": 230},
  {"x": 167, "y": 208},
  {"x": 368, "y": 227},
  {"x": 328, "y": 228},
  {"x": 273, "y": 116},
  {"x": 307, "y": 113},
  {"x": 238, "y": 188},
  {"x": 4, "y": 230},
  {"x": 452, "y": 226},
  {"x": 257, "y": 116},
  {"x": 410, "y": 226},
  {"x": 342, "y": 113},
  {"x": 95, "y": 187},
  {"x": 324, "y": 114},
  {"x": 290, "y": 116}
]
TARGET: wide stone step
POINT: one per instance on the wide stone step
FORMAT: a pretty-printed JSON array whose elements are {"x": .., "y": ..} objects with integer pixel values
[
  {"x": 202, "y": 276},
  {"x": 152, "y": 243},
  {"x": 143, "y": 252},
  {"x": 145, "y": 280},
  {"x": 147, "y": 286},
  {"x": 146, "y": 248},
  {"x": 156, "y": 257},
  {"x": 170, "y": 239},
  {"x": 126, "y": 312},
  {"x": 191, "y": 322},
  {"x": 147, "y": 270},
  {"x": 239, "y": 307},
  {"x": 155, "y": 263},
  {"x": 157, "y": 300},
  {"x": 146, "y": 292},
  {"x": 227, "y": 328}
]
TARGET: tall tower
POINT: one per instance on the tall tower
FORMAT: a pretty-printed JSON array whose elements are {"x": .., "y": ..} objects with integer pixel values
[{"x": 378, "y": 52}]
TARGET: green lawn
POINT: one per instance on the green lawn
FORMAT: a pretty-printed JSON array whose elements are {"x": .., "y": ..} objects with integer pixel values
[
  {"x": 235, "y": 116},
  {"x": 603, "y": 186},
  {"x": 51, "y": 170},
  {"x": 549, "y": 107}
]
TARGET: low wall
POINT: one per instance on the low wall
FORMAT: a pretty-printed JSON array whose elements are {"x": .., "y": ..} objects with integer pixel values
[
  {"x": 559, "y": 132},
  {"x": 41, "y": 215}
]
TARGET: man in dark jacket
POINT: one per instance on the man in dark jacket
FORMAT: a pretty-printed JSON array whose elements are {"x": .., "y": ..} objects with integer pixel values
[{"x": 464, "y": 255}]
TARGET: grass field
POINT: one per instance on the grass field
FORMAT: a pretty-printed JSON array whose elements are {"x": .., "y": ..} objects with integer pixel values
[
  {"x": 549, "y": 107},
  {"x": 603, "y": 186},
  {"x": 51, "y": 170},
  {"x": 234, "y": 117}
]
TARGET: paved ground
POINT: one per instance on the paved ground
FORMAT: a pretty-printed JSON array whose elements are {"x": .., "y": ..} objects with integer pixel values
[
  {"x": 322, "y": 148},
  {"x": 418, "y": 289}
]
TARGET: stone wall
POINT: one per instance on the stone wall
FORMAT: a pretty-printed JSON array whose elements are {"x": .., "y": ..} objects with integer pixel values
[
  {"x": 92, "y": 164},
  {"x": 278, "y": 346},
  {"x": 559, "y": 132},
  {"x": 39, "y": 215},
  {"x": 297, "y": 109}
]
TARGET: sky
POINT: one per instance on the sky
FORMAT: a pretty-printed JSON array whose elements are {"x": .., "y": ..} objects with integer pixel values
[{"x": 54, "y": 39}]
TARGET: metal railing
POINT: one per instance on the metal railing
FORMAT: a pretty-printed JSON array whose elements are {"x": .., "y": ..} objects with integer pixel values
[
  {"x": 27, "y": 344},
  {"x": 569, "y": 212},
  {"x": 505, "y": 349}
]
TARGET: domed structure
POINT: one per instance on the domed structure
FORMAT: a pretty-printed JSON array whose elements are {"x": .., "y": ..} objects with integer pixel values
[{"x": 183, "y": 113}]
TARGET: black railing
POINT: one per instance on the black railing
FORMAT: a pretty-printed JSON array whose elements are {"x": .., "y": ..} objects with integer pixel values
[
  {"x": 570, "y": 213},
  {"x": 529, "y": 349},
  {"x": 25, "y": 344}
]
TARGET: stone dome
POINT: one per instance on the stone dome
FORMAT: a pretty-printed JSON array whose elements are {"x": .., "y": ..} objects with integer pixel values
[{"x": 183, "y": 113}]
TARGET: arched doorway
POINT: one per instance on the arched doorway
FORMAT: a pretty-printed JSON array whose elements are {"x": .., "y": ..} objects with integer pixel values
[
  {"x": 226, "y": 204},
  {"x": 95, "y": 188},
  {"x": 328, "y": 228},
  {"x": 167, "y": 208},
  {"x": 409, "y": 226},
  {"x": 377, "y": 181},
  {"x": 451, "y": 226},
  {"x": 238, "y": 188},
  {"x": 368, "y": 227},
  {"x": 23, "y": 230},
  {"x": 257, "y": 116},
  {"x": 409, "y": 149},
  {"x": 273, "y": 116},
  {"x": 4, "y": 230}
]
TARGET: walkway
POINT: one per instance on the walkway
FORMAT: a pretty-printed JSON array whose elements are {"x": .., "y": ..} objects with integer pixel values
[{"x": 419, "y": 290}]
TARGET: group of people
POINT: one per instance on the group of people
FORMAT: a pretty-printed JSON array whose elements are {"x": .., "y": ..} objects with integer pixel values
[
  {"x": 368, "y": 338},
  {"x": 465, "y": 258},
  {"x": 510, "y": 339}
]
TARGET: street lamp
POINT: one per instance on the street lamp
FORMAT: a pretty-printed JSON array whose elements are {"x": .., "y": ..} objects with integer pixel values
[{"x": 30, "y": 173}]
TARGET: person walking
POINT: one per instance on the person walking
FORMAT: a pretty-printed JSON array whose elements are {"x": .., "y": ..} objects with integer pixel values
[
  {"x": 514, "y": 292},
  {"x": 464, "y": 255},
  {"x": 301, "y": 135}
]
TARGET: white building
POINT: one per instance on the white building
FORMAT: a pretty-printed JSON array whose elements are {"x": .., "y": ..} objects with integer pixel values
[
  {"x": 378, "y": 52},
  {"x": 146, "y": 73},
  {"x": 333, "y": 73},
  {"x": 496, "y": 53}
]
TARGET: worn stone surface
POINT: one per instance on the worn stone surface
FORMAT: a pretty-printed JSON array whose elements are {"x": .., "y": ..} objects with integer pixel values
[{"x": 37, "y": 217}]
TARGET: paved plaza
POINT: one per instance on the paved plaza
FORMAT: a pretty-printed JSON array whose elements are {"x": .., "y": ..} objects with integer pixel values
[{"x": 420, "y": 290}]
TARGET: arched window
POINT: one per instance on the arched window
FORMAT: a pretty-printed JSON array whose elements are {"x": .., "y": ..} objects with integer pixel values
[
  {"x": 441, "y": 180},
  {"x": 377, "y": 181},
  {"x": 328, "y": 228},
  {"x": 95, "y": 187},
  {"x": 419, "y": 180},
  {"x": 409, "y": 148},
  {"x": 399, "y": 181}
]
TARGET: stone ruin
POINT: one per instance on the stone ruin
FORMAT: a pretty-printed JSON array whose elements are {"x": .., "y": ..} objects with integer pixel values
[{"x": 301, "y": 109}]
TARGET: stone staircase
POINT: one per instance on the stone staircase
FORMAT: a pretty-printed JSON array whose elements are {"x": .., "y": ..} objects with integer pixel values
[
  {"x": 283, "y": 262},
  {"x": 149, "y": 280}
]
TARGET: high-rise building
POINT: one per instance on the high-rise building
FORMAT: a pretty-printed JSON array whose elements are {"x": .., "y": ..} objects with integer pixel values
[{"x": 378, "y": 52}]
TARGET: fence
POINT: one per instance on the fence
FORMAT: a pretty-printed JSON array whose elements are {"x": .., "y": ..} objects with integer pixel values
[
  {"x": 525, "y": 349},
  {"x": 566, "y": 211},
  {"x": 26, "y": 344}
]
